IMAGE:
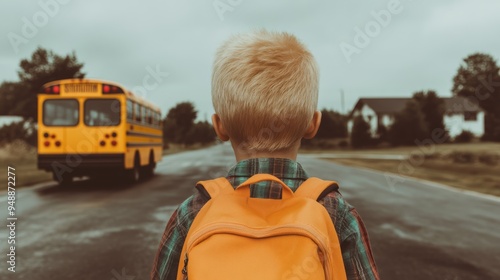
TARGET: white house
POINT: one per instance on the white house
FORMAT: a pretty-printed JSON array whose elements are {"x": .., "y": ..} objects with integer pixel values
[{"x": 460, "y": 115}]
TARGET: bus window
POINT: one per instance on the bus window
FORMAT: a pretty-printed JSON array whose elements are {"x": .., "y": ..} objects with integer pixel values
[
  {"x": 143, "y": 114},
  {"x": 137, "y": 112},
  {"x": 102, "y": 112},
  {"x": 130, "y": 110},
  {"x": 60, "y": 112},
  {"x": 150, "y": 116}
]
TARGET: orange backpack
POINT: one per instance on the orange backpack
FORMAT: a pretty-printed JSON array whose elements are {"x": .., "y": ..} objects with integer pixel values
[{"x": 235, "y": 236}]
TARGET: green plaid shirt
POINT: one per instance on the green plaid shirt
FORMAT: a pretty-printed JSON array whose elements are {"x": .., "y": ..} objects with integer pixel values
[{"x": 352, "y": 234}]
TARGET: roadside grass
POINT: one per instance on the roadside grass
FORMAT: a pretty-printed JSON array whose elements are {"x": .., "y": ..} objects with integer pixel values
[
  {"x": 475, "y": 177},
  {"x": 469, "y": 166},
  {"x": 23, "y": 158},
  {"x": 475, "y": 147},
  {"x": 27, "y": 174}
]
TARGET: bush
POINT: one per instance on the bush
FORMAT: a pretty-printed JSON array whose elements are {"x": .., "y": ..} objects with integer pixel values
[
  {"x": 23, "y": 130},
  {"x": 200, "y": 132},
  {"x": 18, "y": 150},
  {"x": 360, "y": 136},
  {"x": 317, "y": 143},
  {"x": 409, "y": 126},
  {"x": 343, "y": 144},
  {"x": 489, "y": 159},
  {"x": 333, "y": 125},
  {"x": 432, "y": 156},
  {"x": 463, "y": 157},
  {"x": 464, "y": 137},
  {"x": 432, "y": 108},
  {"x": 325, "y": 144}
]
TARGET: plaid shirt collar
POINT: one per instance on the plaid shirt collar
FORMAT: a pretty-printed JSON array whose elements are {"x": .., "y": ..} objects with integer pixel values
[{"x": 289, "y": 171}]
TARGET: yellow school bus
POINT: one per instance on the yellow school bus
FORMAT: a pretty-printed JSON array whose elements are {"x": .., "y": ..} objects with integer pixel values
[{"x": 97, "y": 128}]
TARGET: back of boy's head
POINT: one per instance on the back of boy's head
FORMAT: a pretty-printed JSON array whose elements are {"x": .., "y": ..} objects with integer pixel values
[{"x": 265, "y": 90}]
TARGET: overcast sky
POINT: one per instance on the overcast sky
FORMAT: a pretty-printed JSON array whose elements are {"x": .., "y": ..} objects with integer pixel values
[{"x": 420, "y": 47}]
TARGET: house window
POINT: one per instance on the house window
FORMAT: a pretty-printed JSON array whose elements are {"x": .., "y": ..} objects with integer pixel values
[{"x": 470, "y": 116}]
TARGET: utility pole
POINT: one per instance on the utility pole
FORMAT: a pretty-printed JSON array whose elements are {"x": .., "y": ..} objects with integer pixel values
[{"x": 342, "y": 102}]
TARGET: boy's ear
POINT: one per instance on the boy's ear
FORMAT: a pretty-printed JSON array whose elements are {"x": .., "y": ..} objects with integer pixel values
[
  {"x": 219, "y": 128},
  {"x": 313, "y": 127}
]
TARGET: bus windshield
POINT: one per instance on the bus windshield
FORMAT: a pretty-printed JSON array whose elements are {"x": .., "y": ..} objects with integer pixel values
[
  {"x": 102, "y": 112},
  {"x": 60, "y": 112}
]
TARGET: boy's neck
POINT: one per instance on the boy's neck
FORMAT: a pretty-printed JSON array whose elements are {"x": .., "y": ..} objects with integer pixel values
[{"x": 241, "y": 154}]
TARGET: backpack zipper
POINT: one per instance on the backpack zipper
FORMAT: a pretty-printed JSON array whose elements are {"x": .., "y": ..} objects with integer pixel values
[
  {"x": 184, "y": 269},
  {"x": 241, "y": 230}
]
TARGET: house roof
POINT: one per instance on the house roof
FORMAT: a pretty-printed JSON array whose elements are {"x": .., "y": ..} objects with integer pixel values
[
  {"x": 457, "y": 105},
  {"x": 383, "y": 105},
  {"x": 454, "y": 105}
]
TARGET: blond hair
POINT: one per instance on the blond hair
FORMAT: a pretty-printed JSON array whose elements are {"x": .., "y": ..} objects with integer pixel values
[{"x": 265, "y": 89}]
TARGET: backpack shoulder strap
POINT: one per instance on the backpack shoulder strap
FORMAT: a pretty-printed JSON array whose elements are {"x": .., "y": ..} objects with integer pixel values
[
  {"x": 215, "y": 187},
  {"x": 316, "y": 188}
]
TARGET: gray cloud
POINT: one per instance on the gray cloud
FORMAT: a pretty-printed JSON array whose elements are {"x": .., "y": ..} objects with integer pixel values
[{"x": 421, "y": 47}]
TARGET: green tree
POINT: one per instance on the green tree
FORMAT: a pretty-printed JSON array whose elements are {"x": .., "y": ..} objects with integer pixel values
[
  {"x": 22, "y": 130},
  {"x": 169, "y": 131},
  {"x": 491, "y": 127},
  {"x": 409, "y": 125},
  {"x": 19, "y": 98},
  {"x": 205, "y": 132},
  {"x": 361, "y": 135},
  {"x": 8, "y": 97},
  {"x": 201, "y": 132},
  {"x": 178, "y": 123},
  {"x": 478, "y": 79},
  {"x": 333, "y": 125},
  {"x": 433, "y": 109}
]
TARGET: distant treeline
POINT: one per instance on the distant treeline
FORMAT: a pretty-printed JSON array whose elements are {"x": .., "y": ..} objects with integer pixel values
[{"x": 477, "y": 78}]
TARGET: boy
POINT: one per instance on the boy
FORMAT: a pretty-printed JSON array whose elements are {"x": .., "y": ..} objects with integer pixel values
[{"x": 265, "y": 92}]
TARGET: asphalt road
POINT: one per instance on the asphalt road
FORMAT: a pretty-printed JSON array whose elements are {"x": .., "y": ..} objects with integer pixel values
[{"x": 106, "y": 231}]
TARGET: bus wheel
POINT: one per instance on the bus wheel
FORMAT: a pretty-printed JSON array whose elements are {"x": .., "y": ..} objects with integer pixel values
[
  {"x": 134, "y": 174},
  {"x": 149, "y": 169}
]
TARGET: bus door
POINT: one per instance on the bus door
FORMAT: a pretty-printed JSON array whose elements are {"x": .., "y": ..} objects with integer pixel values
[{"x": 103, "y": 117}]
